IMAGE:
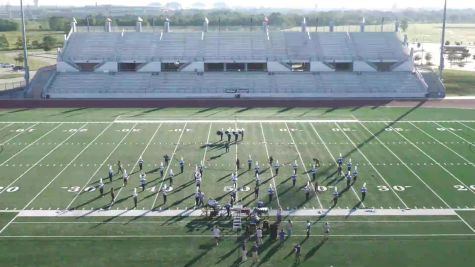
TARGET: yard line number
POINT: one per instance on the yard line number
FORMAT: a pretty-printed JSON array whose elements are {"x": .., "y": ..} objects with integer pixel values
[
  {"x": 342, "y": 130},
  {"x": 382, "y": 188},
  {"x": 392, "y": 129},
  {"x": 462, "y": 188},
  {"x": 399, "y": 188},
  {"x": 126, "y": 130},
  {"x": 443, "y": 129},
  {"x": 75, "y": 189},
  {"x": 23, "y": 130},
  {"x": 75, "y": 130},
  {"x": 240, "y": 189},
  {"x": 10, "y": 189}
]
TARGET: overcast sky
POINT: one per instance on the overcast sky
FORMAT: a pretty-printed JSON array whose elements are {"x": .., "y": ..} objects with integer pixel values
[{"x": 333, "y": 4}]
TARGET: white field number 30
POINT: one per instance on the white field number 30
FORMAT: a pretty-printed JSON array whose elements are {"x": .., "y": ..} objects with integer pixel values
[{"x": 400, "y": 188}]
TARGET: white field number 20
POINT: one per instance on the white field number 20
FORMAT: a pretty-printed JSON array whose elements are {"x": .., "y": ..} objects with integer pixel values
[
  {"x": 464, "y": 188},
  {"x": 10, "y": 189},
  {"x": 400, "y": 188}
]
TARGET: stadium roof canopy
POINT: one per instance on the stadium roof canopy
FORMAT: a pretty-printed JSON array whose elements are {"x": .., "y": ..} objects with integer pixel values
[{"x": 234, "y": 46}]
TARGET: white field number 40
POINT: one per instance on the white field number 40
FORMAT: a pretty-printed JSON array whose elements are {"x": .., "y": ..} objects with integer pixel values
[{"x": 75, "y": 189}]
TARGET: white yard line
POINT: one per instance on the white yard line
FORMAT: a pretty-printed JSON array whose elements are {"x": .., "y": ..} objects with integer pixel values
[
  {"x": 26, "y": 130},
  {"x": 465, "y": 125},
  {"x": 372, "y": 165},
  {"x": 465, "y": 222},
  {"x": 100, "y": 166},
  {"x": 36, "y": 163},
  {"x": 141, "y": 154},
  {"x": 208, "y": 222},
  {"x": 197, "y": 213},
  {"x": 235, "y": 167},
  {"x": 452, "y": 132},
  {"x": 224, "y": 236},
  {"x": 436, "y": 162},
  {"x": 271, "y": 167},
  {"x": 8, "y": 125},
  {"x": 52, "y": 180},
  {"x": 304, "y": 166},
  {"x": 228, "y": 121},
  {"x": 165, "y": 174},
  {"x": 263, "y": 120},
  {"x": 41, "y": 137},
  {"x": 405, "y": 165},
  {"x": 334, "y": 159},
  {"x": 207, "y": 143},
  {"x": 56, "y": 122},
  {"x": 453, "y": 151}
]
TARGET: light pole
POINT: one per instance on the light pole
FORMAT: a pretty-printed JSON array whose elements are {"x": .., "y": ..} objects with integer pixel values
[
  {"x": 442, "y": 45},
  {"x": 25, "y": 51}
]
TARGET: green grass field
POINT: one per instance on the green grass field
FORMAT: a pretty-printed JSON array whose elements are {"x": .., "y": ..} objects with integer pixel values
[
  {"x": 459, "y": 83},
  {"x": 418, "y": 166}
]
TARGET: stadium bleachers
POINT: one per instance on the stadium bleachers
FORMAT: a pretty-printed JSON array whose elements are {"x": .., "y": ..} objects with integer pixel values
[
  {"x": 377, "y": 46},
  {"x": 188, "y": 46},
  {"x": 176, "y": 85},
  {"x": 283, "y": 74}
]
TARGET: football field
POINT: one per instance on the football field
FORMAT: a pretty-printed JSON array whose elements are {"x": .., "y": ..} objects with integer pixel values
[{"x": 418, "y": 167}]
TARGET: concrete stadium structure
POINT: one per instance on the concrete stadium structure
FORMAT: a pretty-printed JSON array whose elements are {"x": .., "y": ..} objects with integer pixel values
[{"x": 260, "y": 64}]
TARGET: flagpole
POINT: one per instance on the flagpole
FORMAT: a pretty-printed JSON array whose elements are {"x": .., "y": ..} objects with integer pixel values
[
  {"x": 25, "y": 51},
  {"x": 442, "y": 45}
]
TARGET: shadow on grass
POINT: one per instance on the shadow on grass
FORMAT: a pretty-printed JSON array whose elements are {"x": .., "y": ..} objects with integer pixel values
[{"x": 314, "y": 250}]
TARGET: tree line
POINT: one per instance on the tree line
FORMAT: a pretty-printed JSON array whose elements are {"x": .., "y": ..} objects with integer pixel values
[{"x": 276, "y": 19}]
